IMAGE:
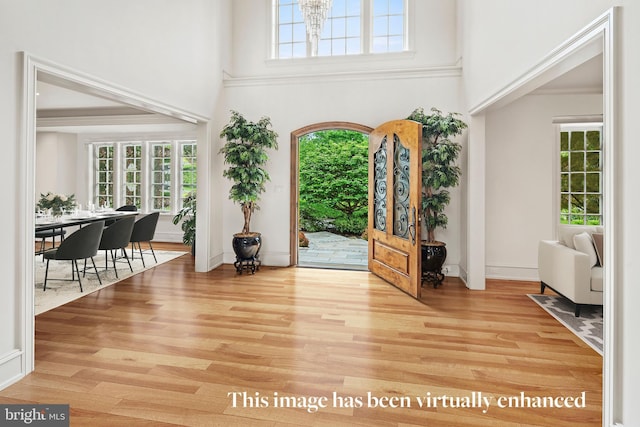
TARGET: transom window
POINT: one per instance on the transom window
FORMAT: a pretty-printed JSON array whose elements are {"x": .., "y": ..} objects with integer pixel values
[
  {"x": 581, "y": 175},
  {"x": 352, "y": 27},
  {"x": 153, "y": 175}
]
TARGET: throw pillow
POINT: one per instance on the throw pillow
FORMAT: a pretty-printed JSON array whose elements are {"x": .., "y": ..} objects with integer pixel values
[
  {"x": 584, "y": 243},
  {"x": 598, "y": 242}
]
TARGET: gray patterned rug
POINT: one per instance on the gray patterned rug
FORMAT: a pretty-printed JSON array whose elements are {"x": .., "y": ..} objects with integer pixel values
[{"x": 587, "y": 327}]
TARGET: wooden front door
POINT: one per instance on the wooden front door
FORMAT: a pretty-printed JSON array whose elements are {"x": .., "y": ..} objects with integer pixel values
[{"x": 395, "y": 176}]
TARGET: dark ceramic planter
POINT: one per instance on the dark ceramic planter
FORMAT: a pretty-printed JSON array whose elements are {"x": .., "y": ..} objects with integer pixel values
[
  {"x": 247, "y": 248},
  {"x": 433, "y": 258}
]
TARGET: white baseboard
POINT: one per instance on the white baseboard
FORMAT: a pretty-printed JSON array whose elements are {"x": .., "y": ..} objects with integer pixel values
[
  {"x": 11, "y": 368},
  {"x": 160, "y": 236},
  {"x": 512, "y": 273}
]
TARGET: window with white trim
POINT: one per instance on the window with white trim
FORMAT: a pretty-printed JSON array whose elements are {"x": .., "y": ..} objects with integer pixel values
[
  {"x": 153, "y": 175},
  {"x": 104, "y": 175},
  {"x": 581, "y": 174},
  {"x": 352, "y": 27}
]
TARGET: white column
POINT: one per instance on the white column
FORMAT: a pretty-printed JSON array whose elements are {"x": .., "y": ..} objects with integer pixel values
[{"x": 476, "y": 170}]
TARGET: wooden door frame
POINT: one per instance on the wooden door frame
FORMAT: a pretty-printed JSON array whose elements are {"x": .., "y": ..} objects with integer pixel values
[{"x": 295, "y": 174}]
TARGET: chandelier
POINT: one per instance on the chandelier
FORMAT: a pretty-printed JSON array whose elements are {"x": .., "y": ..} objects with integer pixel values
[{"x": 314, "y": 13}]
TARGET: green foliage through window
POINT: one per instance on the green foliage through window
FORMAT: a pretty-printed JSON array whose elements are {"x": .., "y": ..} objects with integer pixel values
[
  {"x": 334, "y": 181},
  {"x": 581, "y": 176}
]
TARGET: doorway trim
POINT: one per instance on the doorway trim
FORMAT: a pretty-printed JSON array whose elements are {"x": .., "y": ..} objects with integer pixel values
[
  {"x": 295, "y": 174},
  {"x": 33, "y": 69}
]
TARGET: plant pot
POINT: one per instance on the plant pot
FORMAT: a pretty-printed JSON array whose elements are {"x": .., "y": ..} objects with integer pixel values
[
  {"x": 434, "y": 255},
  {"x": 247, "y": 247}
]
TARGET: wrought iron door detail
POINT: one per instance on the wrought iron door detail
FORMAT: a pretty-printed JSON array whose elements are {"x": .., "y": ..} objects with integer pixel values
[
  {"x": 380, "y": 187},
  {"x": 401, "y": 173}
]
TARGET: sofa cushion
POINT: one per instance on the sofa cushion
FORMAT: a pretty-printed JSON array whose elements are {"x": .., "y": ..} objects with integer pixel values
[
  {"x": 599, "y": 245},
  {"x": 566, "y": 233},
  {"x": 596, "y": 279},
  {"x": 584, "y": 243}
]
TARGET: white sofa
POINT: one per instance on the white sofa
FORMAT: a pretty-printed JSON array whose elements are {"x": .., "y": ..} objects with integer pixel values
[{"x": 574, "y": 273}]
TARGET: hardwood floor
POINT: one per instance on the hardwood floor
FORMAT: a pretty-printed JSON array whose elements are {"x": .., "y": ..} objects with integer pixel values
[{"x": 173, "y": 347}]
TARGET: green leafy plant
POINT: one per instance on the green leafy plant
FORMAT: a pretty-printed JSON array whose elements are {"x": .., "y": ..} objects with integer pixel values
[
  {"x": 188, "y": 217},
  {"x": 334, "y": 181},
  {"x": 56, "y": 202},
  {"x": 439, "y": 168},
  {"x": 246, "y": 154}
]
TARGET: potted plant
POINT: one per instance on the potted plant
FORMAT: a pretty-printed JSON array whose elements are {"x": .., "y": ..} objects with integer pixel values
[
  {"x": 439, "y": 172},
  {"x": 246, "y": 154},
  {"x": 188, "y": 217}
]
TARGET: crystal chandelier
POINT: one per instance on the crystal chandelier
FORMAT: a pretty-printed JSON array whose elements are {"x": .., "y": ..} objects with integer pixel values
[{"x": 314, "y": 13}]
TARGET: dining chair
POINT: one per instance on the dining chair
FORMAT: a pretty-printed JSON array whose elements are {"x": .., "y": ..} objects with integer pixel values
[
  {"x": 81, "y": 244},
  {"x": 45, "y": 234},
  {"x": 123, "y": 208},
  {"x": 143, "y": 231},
  {"x": 116, "y": 237}
]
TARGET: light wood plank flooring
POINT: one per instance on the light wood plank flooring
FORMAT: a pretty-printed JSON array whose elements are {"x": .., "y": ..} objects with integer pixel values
[{"x": 171, "y": 347}]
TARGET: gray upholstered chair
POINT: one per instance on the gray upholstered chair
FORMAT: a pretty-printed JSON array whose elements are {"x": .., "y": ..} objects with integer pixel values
[
  {"x": 115, "y": 237},
  {"x": 143, "y": 231},
  {"x": 80, "y": 245}
]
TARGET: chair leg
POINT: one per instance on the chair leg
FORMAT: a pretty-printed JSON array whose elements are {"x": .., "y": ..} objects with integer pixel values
[
  {"x": 46, "y": 273},
  {"x": 96, "y": 270},
  {"x": 113, "y": 260},
  {"x": 127, "y": 258},
  {"x": 141, "y": 256},
  {"x": 153, "y": 253},
  {"x": 75, "y": 262}
]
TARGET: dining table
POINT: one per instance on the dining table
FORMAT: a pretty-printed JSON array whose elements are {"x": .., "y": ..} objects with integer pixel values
[{"x": 79, "y": 219}]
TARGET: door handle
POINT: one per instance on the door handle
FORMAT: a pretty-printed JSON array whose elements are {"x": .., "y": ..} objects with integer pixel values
[{"x": 412, "y": 226}]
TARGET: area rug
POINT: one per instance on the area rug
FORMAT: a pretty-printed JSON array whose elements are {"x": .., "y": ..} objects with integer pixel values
[
  {"x": 61, "y": 292},
  {"x": 587, "y": 327}
]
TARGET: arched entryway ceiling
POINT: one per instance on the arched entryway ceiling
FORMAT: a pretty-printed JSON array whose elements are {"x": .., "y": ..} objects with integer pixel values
[{"x": 295, "y": 167}]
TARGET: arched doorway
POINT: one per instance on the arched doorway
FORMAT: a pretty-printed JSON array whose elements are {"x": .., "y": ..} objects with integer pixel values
[{"x": 295, "y": 178}]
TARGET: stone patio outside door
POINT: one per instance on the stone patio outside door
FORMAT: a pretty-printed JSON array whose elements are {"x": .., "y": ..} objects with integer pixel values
[{"x": 328, "y": 250}]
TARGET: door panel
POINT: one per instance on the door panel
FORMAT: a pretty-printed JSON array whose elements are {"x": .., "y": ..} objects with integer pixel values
[{"x": 395, "y": 176}]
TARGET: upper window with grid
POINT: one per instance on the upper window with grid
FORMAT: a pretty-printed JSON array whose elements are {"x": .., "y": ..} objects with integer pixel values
[{"x": 352, "y": 27}]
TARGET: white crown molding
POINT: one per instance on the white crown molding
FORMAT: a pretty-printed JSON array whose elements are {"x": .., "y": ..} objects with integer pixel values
[
  {"x": 592, "y": 90},
  {"x": 345, "y": 76},
  {"x": 140, "y": 119}
]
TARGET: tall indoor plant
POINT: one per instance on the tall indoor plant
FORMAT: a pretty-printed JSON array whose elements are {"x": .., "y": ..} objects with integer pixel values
[
  {"x": 439, "y": 172},
  {"x": 188, "y": 217},
  {"x": 246, "y": 154}
]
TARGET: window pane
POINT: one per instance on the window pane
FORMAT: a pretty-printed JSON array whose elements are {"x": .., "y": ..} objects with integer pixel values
[
  {"x": 564, "y": 182},
  {"x": 593, "y": 182},
  {"x": 577, "y": 161},
  {"x": 564, "y": 141},
  {"x": 593, "y": 161},
  {"x": 593, "y": 140},
  {"x": 380, "y": 26},
  {"x": 396, "y": 24},
  {"x": 577, "y": 141},
  {"x": 381, "y": 7},
  {"x": 564, "y": 162},
  {"x": 593, "y": 204},
  {"x": 577, "y": 182},
  {"x": 396, "y": 7},
  {"x": 286, "y": 14}
]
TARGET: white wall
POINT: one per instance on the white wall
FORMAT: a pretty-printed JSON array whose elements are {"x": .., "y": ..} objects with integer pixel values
[
  {"x": 520, "y": 150},
  {"x": 502, "y": 39},
  {"x": 56, "y": 163},
  {"x": 121, "y": 42}
]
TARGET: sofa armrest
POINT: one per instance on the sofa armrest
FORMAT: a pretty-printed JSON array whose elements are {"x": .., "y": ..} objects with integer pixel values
[{"x": 565, "y": 270}]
